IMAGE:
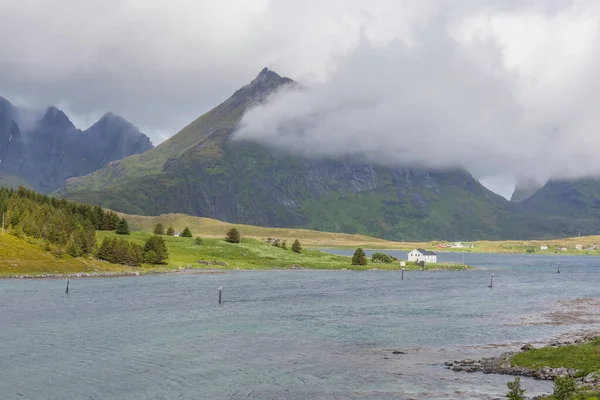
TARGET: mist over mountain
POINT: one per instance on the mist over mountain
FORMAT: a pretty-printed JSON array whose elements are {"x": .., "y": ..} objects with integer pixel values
[
  {"x": 42, "y": 150},
  {"x": 208, "y": 169}
]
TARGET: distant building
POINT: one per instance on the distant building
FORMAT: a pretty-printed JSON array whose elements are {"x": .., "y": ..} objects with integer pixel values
[
  {"x": 176, "y": 234},
  {"x": 543, "y": 247},
  {"x": 422, "y": 255},
  {"x": 562, "y": 249},
  {"x": 579, "y": 246}
]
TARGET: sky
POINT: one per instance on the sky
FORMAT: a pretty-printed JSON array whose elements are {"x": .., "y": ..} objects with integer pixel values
[{"x": 503, "y": 88}]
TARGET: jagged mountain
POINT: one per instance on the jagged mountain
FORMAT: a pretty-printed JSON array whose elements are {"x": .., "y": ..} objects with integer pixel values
[
  {"x": 49, "y": 149},
  {"x": 525, "y": 188},
  {"x": 202, "y": 171}
]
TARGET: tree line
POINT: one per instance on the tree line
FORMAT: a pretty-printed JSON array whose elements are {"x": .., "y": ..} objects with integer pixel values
[{"x": 61, "y": 224}]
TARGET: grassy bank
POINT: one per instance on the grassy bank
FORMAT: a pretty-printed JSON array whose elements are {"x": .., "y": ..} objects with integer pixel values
[
  {"x": 582, "y": 357},
  {"x": 255, "y": 254},
  {"x": 585, "y": 358},
  {"x": 26, "y": 256}
]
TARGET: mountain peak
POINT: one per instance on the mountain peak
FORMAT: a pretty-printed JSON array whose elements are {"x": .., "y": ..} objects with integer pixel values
[
  {"x": 265, "y": 83},
  {"x": 55, "y": 117}
]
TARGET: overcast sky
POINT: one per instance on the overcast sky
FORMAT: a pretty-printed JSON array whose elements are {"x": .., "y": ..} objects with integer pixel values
[{"x": 501, "y": 87}]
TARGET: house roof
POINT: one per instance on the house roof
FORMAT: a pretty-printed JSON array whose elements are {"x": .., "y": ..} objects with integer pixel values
[{"x": 426, "y": 252}]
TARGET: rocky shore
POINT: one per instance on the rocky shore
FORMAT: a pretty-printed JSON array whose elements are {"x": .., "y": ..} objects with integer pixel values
[{"x": 502, "y": 365}]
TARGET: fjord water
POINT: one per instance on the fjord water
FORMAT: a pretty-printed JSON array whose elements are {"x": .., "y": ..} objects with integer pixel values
[{"x": 283, "y": 334}]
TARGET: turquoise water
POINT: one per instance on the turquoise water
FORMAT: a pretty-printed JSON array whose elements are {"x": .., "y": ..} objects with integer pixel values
[{"x": 282, "y": 334}]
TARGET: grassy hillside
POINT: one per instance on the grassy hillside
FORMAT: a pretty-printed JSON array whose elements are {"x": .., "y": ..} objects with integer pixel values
[{"x": 21, "y": 256}]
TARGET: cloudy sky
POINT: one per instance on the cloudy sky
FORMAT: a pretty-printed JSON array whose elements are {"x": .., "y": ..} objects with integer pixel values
[{"x": 501, "y": 87}]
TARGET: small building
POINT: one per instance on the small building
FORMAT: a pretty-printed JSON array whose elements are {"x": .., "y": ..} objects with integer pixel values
[
  {"x": 176, "y": 234},
  {"x": 544, "y": 247},
  {"x": 562, "y": 248},
  {"x": 579, "y": 246},
  {"x": 422, "y": 255}
]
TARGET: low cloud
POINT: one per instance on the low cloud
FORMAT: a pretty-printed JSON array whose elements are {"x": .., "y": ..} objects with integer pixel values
[{"x": 502, "y": 92}]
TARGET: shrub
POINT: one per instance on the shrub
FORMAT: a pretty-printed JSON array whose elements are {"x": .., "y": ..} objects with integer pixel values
[
  {"x": 296, "y": 246},
  {"x": 159, "y": 229},
  {"x": 120, "y": 251},
  {"x": 564, "y": 388},
  {"x": 381, "y": 258},
  {"x": 515, "y": 392},
  {"x": 359, "y": 257},
  {"x": 122, "y": 227},
  {"x": 284, "y": 245},
  {"x": 233, "y": 236},
  {"x": 198, "y": 241},
  {"x": 186, "y": 233},
  {"x": 170, "y": 231}
]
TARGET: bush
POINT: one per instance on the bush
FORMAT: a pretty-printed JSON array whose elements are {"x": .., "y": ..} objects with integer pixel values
[
  {"x": 159, "y": 229},
  {"x": 122, "y": 227},
  {"x": 359, "y": 257},
  {"x": 515, "y": 391},
  {"x": 198, "y": 241},
  {"x": 296, "y": 246},
  {"x": 156, "y": 244},
  {"x": 170, "y": 231},
  {"x": 186, "y": 233},
  {"x": 284, "y": 245},
  {"x": 120, "y": 251},
  {"x": 564, "y": 388},
  {"x": 381, "y": 258},
  {"x": 233, "y": 236}
]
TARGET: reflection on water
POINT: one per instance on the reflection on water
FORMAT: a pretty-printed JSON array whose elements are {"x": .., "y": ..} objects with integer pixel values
[{"x": 286, "y": 334}]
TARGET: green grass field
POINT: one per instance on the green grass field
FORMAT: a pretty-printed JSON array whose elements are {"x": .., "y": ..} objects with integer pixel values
[{"x": 253, "y": 254}]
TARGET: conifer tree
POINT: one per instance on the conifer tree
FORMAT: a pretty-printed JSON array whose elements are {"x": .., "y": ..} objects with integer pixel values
[
  {"x": 170, "y": 231},
  {"x": 359, "y": 257},
  {"x": 122, "y": 227},
  {"x": 233, "y": 236},
  {"x": 186, "y": 233},
  {"x": 156, "y": 245},
  {"x": 296, "y": 246},
  {"x": 159, "y": 229}
]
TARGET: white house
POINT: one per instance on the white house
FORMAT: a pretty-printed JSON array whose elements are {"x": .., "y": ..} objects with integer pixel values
[
  {"x": 422, "y": 255},
  {"x": 176, "y": 234},
  {"x": 544, "y": 247}
]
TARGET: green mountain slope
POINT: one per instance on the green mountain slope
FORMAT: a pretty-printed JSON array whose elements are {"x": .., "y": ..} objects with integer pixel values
[{"x": 203, "y": 171}]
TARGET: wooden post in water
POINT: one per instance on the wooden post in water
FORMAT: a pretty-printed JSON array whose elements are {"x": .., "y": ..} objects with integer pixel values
[
  {"x": 492, "y": 281},
  {"x": 220, "y": 293},
  {"x": 558, "y": 269},
  {"x": 402, "y": 273},
  {"x": 68, "y": 281}
]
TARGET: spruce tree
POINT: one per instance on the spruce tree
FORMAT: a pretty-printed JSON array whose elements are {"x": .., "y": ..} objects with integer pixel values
[
  {"x": 170, "y": 231},
  {"x": 359, "y": 257},
  {"x": 296, "y": 246},
  {"x": 284, "y": 245},
  {"x": 186, "y": 233},
  {"x": 156, "y": 244},
  {"x": 233, "y": 236},
  {"x": 159, "y": 229},
  {"x": 122, "y": 227}
]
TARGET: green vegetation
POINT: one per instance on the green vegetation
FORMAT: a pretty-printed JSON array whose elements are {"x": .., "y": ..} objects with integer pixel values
[
  {"x": 27, "y": 256},
  {"x": 122, "y": 227},
  {"x": 564, "y": 388},
  {"x": 359, "y": 257},
  {"x": 159, "y": 229},
  {"x": 515, "y": 391},
  {"x": 170, "y": 231},
  {"x": 198, "y": 241},
  {"x": 186, "y": 233},
  {"x": 296, "y": 246},
  {"x": 233, "y": 236},
  {"x": 120, "y": 251},
  {"x": 252, "y": 254},
  {"x": 155, "y": 250},
  {"x": 582, "y": 357},
  {"x": 381, "y": 258}
]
